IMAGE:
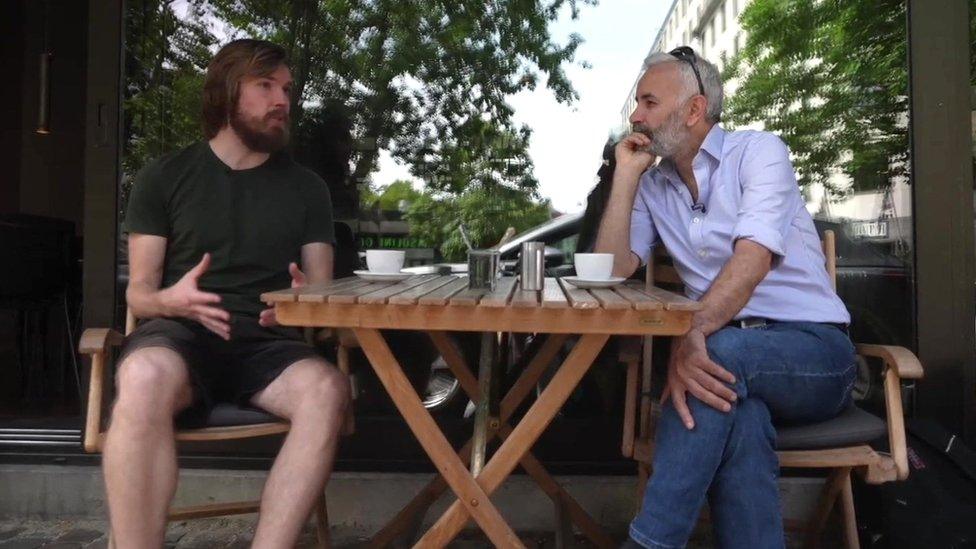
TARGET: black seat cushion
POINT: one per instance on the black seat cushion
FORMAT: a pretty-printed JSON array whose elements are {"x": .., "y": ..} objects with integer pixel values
[
  {"x": 852, "y": 426},
  {"x": 229, "y": 415}
]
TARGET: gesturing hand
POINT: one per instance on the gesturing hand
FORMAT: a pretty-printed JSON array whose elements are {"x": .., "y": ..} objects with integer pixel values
[
  {"x": 691, "y": 371},
  {"x": 267, "y": 317},
  {"x": 184, "y": 299}
]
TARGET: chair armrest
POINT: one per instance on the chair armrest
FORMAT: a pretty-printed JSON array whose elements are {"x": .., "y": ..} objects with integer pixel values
[
  {"x": 98, "y": 340},
  {"x": 901, "y": 364},
  {"x": 901, "y": 360}
]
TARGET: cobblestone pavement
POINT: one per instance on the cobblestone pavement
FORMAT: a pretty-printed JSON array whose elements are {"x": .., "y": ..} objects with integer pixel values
[
  {"x": 236, "y": 534},
  {"x": 202, "y": 534}
]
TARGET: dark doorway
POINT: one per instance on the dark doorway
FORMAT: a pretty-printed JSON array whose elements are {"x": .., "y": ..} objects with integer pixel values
[{"x": 42, "y": 146}]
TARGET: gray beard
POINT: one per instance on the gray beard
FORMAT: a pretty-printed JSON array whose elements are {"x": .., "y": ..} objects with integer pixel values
[{"x": 666, "y": 140}]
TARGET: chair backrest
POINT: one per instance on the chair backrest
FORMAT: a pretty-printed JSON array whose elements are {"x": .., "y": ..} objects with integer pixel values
[{"x": 829, "y": 244}]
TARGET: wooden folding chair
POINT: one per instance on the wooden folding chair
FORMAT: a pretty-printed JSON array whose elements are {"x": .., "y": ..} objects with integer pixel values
[
  {"x": 839, "y": 445},
  {"x": 226, "y": 422}
]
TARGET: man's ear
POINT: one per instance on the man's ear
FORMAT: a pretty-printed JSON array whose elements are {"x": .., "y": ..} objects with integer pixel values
[{"x": 696, "y": 109}]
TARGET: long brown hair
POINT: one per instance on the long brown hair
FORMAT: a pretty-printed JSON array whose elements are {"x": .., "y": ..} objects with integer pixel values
[{"x": 222, "y": 87}]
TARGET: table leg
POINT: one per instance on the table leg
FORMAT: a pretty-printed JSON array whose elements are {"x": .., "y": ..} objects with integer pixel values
[
  {"x": 526, "y": 382},
  {"x": 487, "y": 370},
  {"x": 472, "y": 497},
  {"x": 519, "y": 441},
  {"x": 541, "y": 358}
]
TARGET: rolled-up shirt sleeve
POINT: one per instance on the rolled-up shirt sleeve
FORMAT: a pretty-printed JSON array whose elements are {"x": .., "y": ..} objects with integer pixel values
[
  {"x": 770, "y": 195},
  {"x": 643, "y": 235}
]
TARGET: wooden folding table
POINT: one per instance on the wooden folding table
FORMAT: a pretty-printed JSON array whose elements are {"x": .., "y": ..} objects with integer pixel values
[{"x": 437, "y": 304}]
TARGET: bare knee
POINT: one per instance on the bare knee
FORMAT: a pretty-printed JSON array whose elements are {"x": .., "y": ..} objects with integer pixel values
[
  {"x": 317, "y": 391},
  {"x": 153, "y": 383},
  {"x": 329, "y": 388}
]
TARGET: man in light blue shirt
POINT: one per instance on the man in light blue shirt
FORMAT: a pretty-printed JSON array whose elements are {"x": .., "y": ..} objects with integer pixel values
[{"x": 771, "y": 340}]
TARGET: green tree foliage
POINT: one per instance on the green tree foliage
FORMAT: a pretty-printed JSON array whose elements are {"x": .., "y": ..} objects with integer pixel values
[
  {"x": 831, "y": 78},
  {"x": 426, "y": 80},
  {"x": 479, "y": 153},
  {"x": 400, "y": 191},
  {"x": 486, "y": 213},
  {"x": 388, "y": 198},
  {"x": 165, "y": 58},
  {"x": 421, "y": 79}
]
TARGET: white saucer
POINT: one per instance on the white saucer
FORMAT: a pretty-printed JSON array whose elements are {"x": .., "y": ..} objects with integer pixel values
[
  {"x": 382, "y": 277},
  {"x": 588, "y": 283}
]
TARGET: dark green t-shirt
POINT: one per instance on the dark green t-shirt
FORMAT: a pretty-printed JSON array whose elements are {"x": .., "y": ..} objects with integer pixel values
[{"x": 253, "y": 222}]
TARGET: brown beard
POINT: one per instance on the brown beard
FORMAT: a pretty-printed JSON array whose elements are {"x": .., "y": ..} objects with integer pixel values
[{"x": 258, "y": 135}]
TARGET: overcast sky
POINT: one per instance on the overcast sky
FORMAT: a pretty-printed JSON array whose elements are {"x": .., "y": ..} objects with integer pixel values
[{"x": 567, "y": 140}]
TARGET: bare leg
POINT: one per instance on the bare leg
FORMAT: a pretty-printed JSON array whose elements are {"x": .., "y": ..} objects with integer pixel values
[
  {"x": 312, "y": 395},
  {"x": 139, "y": 460}
]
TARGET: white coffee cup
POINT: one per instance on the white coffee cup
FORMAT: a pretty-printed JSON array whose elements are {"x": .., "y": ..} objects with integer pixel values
[
  {"x": 385, "y": 261},
  {"x": 593, "y": 266}
]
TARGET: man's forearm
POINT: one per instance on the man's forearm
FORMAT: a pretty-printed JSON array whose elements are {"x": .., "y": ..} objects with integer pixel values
[
  {"x": 614, "y": 234},
  {"x": 733, "y": 287},
  {"x": 146, "y": 301}
]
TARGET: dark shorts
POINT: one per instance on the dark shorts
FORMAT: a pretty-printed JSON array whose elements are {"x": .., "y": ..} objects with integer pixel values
[{"x": 222, "y": 371}]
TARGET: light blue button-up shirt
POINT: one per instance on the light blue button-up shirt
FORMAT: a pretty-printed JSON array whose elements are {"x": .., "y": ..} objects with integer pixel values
[{"x": 747, "y": 189}]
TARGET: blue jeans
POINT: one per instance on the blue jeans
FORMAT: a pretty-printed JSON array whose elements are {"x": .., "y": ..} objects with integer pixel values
[{"x": 790, "y": 372}]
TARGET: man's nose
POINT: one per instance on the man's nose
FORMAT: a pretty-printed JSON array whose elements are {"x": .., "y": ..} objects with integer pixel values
[{"x": 282, "y": 99}]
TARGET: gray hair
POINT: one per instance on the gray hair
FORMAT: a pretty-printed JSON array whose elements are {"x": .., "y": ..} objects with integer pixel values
[{"x": 711, "y": 80}]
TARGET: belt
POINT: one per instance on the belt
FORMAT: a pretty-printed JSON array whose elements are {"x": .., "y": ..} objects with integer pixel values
[{"x": 756, "y": 322}]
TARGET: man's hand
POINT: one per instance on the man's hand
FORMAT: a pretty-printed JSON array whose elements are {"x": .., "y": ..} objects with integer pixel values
[
  {"x": 690, "y": 370},
  {"x": 632, "y": 155},
  {"x": 267, "y": 317},
  {"x": 184, "y": 299}
]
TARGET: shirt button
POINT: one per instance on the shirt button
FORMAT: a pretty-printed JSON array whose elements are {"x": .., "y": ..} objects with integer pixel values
[
  {"x": 696, "y": 220},
  {"x": 702, "y": 253}
]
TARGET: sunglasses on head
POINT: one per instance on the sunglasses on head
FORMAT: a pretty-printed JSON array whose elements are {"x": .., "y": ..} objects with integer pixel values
[{"x": 686, "y": 54}]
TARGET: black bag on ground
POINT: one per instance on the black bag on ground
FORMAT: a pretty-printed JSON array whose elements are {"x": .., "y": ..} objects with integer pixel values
[{"x": 935, "y": 507}]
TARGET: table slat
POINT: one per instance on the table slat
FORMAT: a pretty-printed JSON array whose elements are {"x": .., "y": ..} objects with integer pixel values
[
  {"x": 468, "y": 297},
  {"x": 579, "y": 298},
  {"x": 611, "y": 299},
  {"x": 525, "y": 298},
  {"x": 292, "y": 294},
  {"x": 381, "y": 296},
  {"x": 412, "y": 295},
  {"x": 500, "y": 296},
  {"x": 350, "y": 295},
  {"x": 640, "y": 300},
  {"x": 442, "y": 294},
  {"x": 671, "y": 300},
  {"x": 321, "y": 295},
  {"x": 553, "y": 296}
]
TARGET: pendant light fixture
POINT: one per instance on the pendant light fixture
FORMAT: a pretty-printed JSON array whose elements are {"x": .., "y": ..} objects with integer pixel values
[{"x": 44, "y": 80}]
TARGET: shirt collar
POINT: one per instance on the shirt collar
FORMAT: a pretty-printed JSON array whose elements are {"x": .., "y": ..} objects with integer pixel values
[{"x": 714, "y": 142}]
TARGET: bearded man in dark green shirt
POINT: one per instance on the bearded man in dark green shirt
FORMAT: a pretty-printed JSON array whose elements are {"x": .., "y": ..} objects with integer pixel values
[{"x": 210, "y": 228}]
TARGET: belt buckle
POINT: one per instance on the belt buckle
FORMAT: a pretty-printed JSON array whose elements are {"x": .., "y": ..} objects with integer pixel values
[{"x": 747, "y": 323}]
